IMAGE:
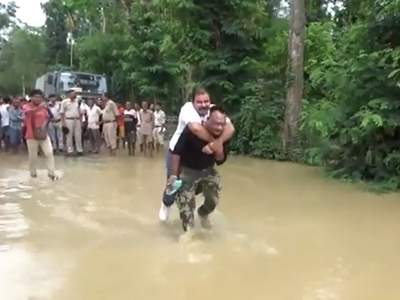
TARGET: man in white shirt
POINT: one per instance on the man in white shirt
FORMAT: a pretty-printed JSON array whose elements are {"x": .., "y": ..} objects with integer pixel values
[
  {"x": 94, "y": 113},
  {"x": 137, "y": 108},
  {"x": 84, "y": 110},
  {"x": 55, "y": 128},
  {"x": 159, "y": 127},
  {"x": 5, "y": 123},
  {"x": 192, "y": 114}
]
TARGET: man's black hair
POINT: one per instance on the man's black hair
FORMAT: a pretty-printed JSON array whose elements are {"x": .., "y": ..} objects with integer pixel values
[
  {"x": 71, "y": 91},
  {"x": 35, "y": 92},
  {"x": 7, "y": 100},
  {"x": 215, "y": 108},
  {"x": 52, "y": 96},
  {"x": 107, "y": 95}
]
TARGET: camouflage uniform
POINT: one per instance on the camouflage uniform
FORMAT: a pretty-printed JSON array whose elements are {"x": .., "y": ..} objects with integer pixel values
[{"x": 208, "y": 182}]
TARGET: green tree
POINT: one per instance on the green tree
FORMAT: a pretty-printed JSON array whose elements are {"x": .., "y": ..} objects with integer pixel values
[
  {"x": 22, "y": 59},
  {"x": 346, "y": 120},
  {"x": 57, "y": 50}
]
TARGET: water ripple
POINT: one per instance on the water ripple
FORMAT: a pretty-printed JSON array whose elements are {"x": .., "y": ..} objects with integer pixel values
[{"x": 13, "y": 224}]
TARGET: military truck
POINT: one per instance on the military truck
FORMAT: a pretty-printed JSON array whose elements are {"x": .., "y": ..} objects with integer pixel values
[{"x": 59, "y": 83}]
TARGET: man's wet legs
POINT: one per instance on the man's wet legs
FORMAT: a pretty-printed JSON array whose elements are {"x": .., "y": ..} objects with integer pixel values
[
  {"x": 211, "y": 191},
  {"x": 186, "y": 202},
  {"x": 167, "y": 200},
  {"x": 5, "y": 138},
  {"x": 130, "y": 140}
]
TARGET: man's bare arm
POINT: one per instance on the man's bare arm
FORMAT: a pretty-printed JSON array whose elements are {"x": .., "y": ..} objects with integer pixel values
[
  {"x": 175, "y": 161},
  {"x": 177, "y": 152}
]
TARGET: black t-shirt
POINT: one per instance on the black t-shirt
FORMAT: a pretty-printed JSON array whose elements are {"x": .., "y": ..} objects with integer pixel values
[
  {"x": 130, "y": 122},
  {"x": 189, "y": 147}
]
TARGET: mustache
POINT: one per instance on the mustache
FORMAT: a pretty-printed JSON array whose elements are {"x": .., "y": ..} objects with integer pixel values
[{"x": 202, "y": 111}]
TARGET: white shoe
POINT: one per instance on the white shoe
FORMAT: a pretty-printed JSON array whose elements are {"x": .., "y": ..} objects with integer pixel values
[{"x": 164, "y": 212}]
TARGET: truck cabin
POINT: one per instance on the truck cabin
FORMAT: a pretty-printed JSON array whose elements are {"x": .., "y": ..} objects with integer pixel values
[{"x": 91, "y": 85}]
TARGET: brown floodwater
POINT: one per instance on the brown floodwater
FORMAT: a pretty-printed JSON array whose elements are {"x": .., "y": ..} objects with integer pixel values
[{"x": 282, "y": 232}]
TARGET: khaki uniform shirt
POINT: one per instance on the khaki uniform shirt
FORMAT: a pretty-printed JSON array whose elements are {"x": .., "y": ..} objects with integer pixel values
[
  {"x": 110, "y": 111},
  {"x": 70, "y": 108}
]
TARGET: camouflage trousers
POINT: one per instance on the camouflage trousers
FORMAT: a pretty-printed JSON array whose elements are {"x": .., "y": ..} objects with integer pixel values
[{"x": 194, "y": 182}]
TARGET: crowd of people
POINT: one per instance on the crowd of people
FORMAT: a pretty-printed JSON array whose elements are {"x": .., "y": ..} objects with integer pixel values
[
  {"x": 74, "y": 123},
  {"x": 199, "y": 142}
]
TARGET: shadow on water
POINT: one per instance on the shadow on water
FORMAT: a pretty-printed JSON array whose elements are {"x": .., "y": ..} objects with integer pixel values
[{"x": 281, "y": 232}]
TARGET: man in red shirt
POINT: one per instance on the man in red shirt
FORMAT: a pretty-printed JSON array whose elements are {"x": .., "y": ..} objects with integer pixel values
[{"x": 36, "y": 119}]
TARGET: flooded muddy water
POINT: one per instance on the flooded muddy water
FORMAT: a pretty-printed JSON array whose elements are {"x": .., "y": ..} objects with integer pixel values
[{"x": 281, "y": 232}]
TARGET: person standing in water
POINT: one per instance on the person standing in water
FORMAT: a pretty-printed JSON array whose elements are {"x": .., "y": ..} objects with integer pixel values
[
  {"x": 71, "y": 118},
  {"x": 84, "y": 110},
  {"x": 37, "y": 117},
  {"x": 5, "y": 123},
  {"x": 146, "y": 128},
  {"x": 55, "y": 128},
  {"x": 197, "y": 170},
  {"x": 120, "y": 127},
  {"x": 137, "y": 108},
  {"x": 110, "y": 114},
  {"x": 16, "y": 125},
  {"x": 130, "y": 122},
  {"x": 159, "y": 127},
  {"x": 94, "y": 115},
  {"x": 192, "y": 115},
  {"x": 99, "y": 103}
]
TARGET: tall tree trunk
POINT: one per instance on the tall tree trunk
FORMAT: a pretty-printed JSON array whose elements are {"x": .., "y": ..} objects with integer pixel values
[
  {"x": 186, "y": 91},
  {"x": 295, "y": 75},
  {"x": 103, "y": 20},
  {"x": 23, "y": 85}
]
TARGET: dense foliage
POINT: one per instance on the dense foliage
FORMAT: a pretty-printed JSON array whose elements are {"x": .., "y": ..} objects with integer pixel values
[{"x": 158, "y": 50}]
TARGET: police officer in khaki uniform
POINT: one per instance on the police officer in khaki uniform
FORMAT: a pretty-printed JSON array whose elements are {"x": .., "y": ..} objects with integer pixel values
[
  {"x": 71, "y": 117},
  {"x": 110, "y": 114}
]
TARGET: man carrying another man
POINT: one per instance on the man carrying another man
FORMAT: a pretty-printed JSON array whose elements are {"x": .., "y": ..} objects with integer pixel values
[
  {"x": 196, "y": 169},
  {"x": 192, "y": 115}
]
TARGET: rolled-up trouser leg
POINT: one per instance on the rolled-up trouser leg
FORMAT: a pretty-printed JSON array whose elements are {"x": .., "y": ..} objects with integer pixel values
[
  {"x": 168, "y": 200},
  {"x": 211, "y": 187}
]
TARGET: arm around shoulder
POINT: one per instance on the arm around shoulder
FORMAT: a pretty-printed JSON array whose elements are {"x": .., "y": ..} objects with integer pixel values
[{"x": 221, "y": 157}]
